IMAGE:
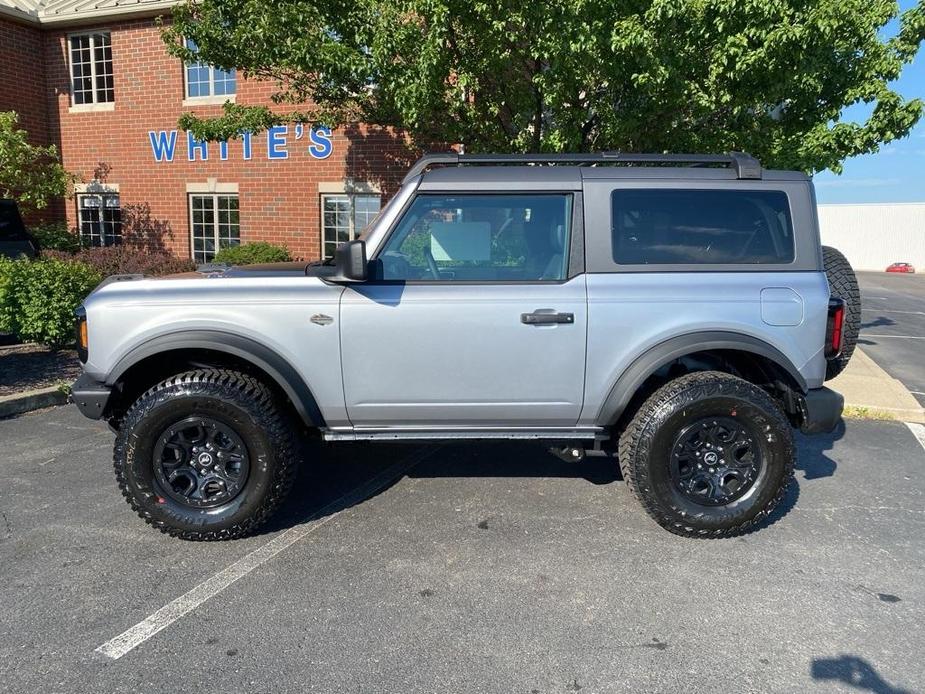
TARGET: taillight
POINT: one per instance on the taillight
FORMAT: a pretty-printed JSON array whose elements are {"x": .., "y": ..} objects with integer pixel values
[
  {"x": 80, "y": 330},
  {"x": 835, "y": 328}
]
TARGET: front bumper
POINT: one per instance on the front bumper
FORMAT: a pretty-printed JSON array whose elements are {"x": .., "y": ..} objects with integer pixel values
[
  {"x": 821, "y": 409},
  {"x": 90, "y": 396}
]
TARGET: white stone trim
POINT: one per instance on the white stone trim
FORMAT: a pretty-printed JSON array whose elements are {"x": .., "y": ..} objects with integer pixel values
[
  {"x": 96, "y": 187},
  {"x": 89, "y": 108},
  {"x": 211, "y": 186},
  {"x": 206, "y": 100},
  {"x": 348, "y": 186}
]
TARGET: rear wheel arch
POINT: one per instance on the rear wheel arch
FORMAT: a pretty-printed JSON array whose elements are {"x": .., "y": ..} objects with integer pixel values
[
  {"x": 698, "y": 352},
  {"x": 167, "y": 355}
]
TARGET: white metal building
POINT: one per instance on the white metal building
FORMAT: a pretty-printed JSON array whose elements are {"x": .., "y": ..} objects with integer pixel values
[{"x": 875, "y": 235}]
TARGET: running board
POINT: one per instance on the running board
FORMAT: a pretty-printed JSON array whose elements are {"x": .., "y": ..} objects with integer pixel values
[{"x": 410, "y": 434}]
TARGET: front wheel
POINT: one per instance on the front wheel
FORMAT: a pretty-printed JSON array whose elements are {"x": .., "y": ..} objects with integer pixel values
[
  {"x": 708, "y": 455},
  {"x": 205, "y": 455}
]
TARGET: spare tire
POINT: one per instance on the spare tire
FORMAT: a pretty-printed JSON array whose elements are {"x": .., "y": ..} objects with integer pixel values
[{"x": 843, "y": 284}]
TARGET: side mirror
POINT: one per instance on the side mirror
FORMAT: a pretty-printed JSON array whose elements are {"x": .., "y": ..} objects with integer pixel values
[{"x": 350, "y": 262}]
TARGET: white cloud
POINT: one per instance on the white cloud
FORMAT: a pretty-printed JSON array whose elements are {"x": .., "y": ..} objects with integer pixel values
[{"x": 856, "y": 182}]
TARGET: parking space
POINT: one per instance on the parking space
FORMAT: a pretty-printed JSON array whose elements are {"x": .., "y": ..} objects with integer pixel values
[
  {"x": 893, "y": 326},
  {"x": 492, "y": 568}
]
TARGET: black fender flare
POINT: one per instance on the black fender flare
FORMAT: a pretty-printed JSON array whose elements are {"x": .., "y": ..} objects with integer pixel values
[
  {"x": 673, "y": 348},
  {"x": 261, "y": 356}
]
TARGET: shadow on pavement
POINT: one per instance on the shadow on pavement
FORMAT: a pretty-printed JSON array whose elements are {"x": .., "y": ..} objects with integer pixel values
[{"x": 855, "y": 672}]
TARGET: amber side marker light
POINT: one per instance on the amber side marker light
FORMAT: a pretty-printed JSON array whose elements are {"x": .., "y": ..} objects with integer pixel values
[{"x": 82, "y": 338}]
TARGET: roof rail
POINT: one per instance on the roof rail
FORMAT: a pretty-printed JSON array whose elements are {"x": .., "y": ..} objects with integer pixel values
[{"x": 745, "y": 165}]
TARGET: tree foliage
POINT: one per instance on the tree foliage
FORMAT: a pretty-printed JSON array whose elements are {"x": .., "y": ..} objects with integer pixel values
[
  {"x": 30, "y": 174},
  {"x": 771, "y": 77}
]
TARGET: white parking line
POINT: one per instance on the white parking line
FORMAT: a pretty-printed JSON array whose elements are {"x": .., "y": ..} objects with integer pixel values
[
  {"x": 887, "y": 310},
  {"x": 131, "y": 638},
  {"x": 918, "y": 430},
  {"x": 902, "y": 337}
]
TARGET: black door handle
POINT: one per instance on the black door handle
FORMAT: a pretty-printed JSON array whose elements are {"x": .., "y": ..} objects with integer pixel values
[{"x": 543, "y": 318}]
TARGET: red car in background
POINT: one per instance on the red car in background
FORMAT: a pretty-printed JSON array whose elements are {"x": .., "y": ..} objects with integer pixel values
[{"x": 901, "y": 267}]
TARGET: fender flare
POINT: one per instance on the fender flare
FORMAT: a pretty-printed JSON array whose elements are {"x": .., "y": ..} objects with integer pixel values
[
  {"x": 261, "y": 356},
  {"x": 673, "y": 348}
]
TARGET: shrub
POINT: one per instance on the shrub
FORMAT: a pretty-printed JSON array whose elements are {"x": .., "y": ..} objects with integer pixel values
[
  {"x": 55, "y": 236},
  {"x": 252, "y": 253},
  {"x": 38, "y": 298},
  {"x": 126, "y": 260}
]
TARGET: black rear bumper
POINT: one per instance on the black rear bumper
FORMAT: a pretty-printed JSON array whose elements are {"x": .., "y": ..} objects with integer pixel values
[
  {"x": 821, "y": 410},
  {"x": 90, "y": 396}
]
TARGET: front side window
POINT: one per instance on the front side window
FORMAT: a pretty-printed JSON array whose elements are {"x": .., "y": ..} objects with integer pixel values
[
  {"x": 203, "y": 79},
  {"x": 344, "y": 217},
  {"x": 99, "y": 218},
  {"x": 681, "y": 227},
  {"x": 503, "y": 237},
  {"x": 214, "y": 224},
  {"x": 91, "y": 68}
]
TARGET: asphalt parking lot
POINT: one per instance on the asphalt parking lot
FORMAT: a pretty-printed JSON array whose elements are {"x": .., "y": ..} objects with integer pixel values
[
  {"x": 451, "y": 569},
  {"x": 893, "y": 326}
]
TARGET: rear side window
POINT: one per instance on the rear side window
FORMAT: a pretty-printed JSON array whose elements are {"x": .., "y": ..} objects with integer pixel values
[{"x": 701, "y": 227}]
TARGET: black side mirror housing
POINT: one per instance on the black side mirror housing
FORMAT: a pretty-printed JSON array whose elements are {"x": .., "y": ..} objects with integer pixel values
[{"x": 350, "y": 262}]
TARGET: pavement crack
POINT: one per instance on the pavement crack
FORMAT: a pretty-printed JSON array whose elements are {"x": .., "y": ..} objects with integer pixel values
[{"x": 5, "y": 527}]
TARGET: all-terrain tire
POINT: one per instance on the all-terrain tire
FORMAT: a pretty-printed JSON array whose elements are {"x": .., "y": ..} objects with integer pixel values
[
  {"x": 843, "y": 284},
  {"x": 239, "y": 403},
  {"x": 647, "y": 444}
]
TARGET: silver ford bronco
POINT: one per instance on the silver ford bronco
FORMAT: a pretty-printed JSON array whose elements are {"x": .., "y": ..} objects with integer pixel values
[{"x": 677, "y": 312}]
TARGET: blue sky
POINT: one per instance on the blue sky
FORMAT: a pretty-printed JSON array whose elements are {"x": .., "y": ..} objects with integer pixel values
[{"x": 897, "y": 172}]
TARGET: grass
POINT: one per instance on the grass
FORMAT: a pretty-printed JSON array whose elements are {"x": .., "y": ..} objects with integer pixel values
[{"x": 857, "y": 412}]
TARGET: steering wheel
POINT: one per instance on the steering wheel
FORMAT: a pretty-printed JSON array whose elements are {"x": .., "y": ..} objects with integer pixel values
[{"x": 431, "y": 263}]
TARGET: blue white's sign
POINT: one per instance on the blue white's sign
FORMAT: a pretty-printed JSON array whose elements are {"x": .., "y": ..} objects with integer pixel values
[{"x": 278, "y": 144}]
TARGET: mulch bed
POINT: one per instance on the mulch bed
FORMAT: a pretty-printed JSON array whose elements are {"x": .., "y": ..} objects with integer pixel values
[{"x": 30, "y": 366}]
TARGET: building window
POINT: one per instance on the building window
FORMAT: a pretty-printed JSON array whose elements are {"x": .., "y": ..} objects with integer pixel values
[
  {"x": 343, "y": 217},
  {"x": 205, "y": 80},
  {"x": 91, "y": 68},
  {"x": 214, "y": 223},
  {"x": 100, "y": 219}
]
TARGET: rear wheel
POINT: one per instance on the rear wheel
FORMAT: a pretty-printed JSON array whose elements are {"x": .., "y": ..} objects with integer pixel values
[
  {"x": 708, "y": 455},
  {"x": 205, "y": 455},
  {"x": 843, "y": 284}
]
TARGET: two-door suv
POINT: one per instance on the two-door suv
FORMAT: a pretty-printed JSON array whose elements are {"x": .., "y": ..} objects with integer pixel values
[{"x": 674, "y": 308}]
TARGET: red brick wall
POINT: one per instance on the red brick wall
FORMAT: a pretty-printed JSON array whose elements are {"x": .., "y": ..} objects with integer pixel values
[
  {"x": 279, "y": 199},
  {"x": 22, "y": 77}
]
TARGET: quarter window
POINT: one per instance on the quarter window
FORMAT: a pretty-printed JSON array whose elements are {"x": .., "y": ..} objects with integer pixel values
[
  {"x": 343, "y": 217},
  {"x": 99, "y": 218},
  {"x": 203, "y": 79},
  {"x": 682, "y": 227},
  {"x": 481, "y": 238},
  {"x": 214, "y": 223},
  {"x": 91, "y": 68}
]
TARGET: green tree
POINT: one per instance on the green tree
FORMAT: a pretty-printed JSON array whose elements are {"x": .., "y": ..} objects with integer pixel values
[
  {"x": 30, "y": 174},
  {"x": 771, "y": 77}
]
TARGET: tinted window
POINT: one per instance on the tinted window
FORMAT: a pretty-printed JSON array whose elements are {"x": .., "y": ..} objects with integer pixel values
[
  {"x": 480, "y": 238},
  {"x": 670, "y": 227}
]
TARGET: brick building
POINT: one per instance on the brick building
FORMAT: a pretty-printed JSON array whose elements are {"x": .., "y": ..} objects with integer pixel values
[{"x": 95, "y": 79}]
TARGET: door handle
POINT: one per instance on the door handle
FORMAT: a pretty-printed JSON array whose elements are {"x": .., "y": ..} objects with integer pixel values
[{"x": 541, "y": 317}]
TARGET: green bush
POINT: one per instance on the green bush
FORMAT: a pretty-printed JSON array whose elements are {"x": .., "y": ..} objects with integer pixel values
[
  {"x": 38, "y": 298},
  {"x": 55, "y": 236},
  {"x": 252, "y": 253}
]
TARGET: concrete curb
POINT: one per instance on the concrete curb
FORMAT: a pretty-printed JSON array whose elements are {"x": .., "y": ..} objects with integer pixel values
[
  {"x": 866, "y": 386},
  {"x": 18, "y": 403}
]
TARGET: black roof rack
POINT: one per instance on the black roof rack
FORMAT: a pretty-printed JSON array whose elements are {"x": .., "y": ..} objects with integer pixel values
[{"x": 745, "y": 165}]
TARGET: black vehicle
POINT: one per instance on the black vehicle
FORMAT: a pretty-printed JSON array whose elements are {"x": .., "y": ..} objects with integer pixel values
[{"x": 15, "y": 239}]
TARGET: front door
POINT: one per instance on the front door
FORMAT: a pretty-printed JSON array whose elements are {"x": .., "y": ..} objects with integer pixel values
[{"x": 474, "y": 320}]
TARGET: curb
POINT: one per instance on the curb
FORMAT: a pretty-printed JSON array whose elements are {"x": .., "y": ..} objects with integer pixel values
[{"x": 18, "y": 403}]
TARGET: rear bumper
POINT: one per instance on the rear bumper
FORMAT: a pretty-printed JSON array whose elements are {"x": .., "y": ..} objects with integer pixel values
[
  {"x": 90, "y": 396},
  {"x": 821, "y": 410}
]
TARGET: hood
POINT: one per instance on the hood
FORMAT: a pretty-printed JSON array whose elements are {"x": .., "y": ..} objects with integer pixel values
[{"x": 298, "y": 268}]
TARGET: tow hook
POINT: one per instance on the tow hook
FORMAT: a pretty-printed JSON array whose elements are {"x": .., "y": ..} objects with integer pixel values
[{"x": 570, "y": 454}]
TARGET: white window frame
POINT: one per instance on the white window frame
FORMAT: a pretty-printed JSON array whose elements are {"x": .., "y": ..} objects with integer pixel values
[
  {"x": 215, "y": 223},
  {"x": 352, "y": 229},
  {"x": 211, "y": 97},
  {"x": 101, "y": 196},
  {"x": 96, "y": 103}
]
